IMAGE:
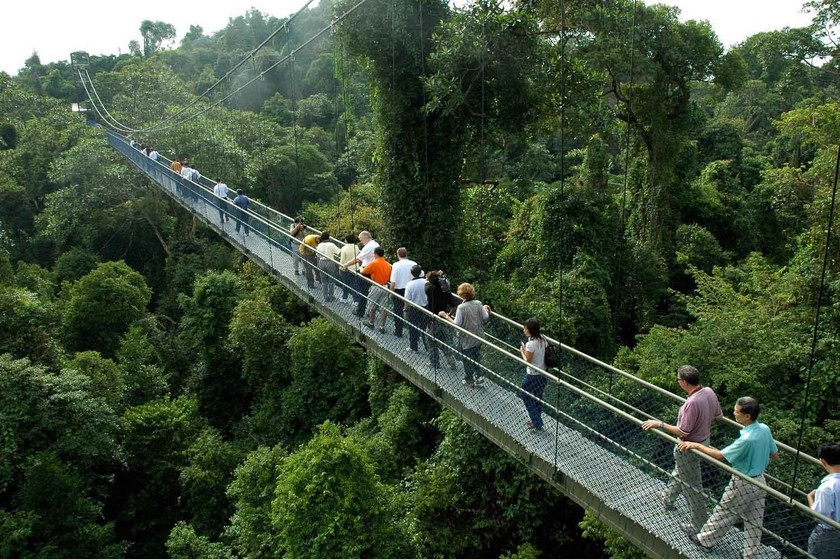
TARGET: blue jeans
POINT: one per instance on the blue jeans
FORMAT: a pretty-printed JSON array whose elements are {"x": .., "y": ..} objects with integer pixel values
[
  {"x": 535, "y": 385},
  {"x": 348, "y": 278},
  {"x": 824, "y": 542},
  {"x": 417, "y": 323}
]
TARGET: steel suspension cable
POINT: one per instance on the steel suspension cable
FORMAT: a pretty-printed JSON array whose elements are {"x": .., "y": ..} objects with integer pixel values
[
  {"x": 815, "y": 337},
  {"x": 115, "y": 124},
  {"x": 230, "y": 72},
  {"x": 561, "y": 280},
  {"x": 628, "y": 145},
  {"x": 271, "y": 67}
]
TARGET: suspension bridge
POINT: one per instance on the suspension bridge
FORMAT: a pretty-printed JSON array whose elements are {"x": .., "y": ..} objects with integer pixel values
[{"x": 592, "y": 448}]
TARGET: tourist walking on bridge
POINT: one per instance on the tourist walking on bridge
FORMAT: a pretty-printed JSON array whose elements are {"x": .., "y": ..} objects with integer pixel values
[
  {"x": 328, "y": 264},
  {"x": 242, "y": 202},
  {"x": 440, "y": 300},
  {"x": 310, "y": 263},
  {"x": 379, "y": 272},
  {"x": 694, "y": 424},
  {"x": 221, "y": 193},
  {"x": 365, "y": 258},
  {"x": 471, "y": 316},
  {"x": 824, "y": 542},
  {"x": 415, "y": 292},
  {"x": 348, "y": 273},
  {"x": 298, "y": 232},
  {"x": 534, "y": 383},
  {"x": 400, "y": 276},
  {"x": 750, "y": 455}
]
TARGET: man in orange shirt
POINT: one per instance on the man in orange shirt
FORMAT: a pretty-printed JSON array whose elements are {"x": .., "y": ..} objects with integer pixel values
[{"x": 379, "y": 271}]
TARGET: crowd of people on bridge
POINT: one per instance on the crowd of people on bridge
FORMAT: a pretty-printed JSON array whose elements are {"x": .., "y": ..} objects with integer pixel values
[{"x": 377, "y": 287}]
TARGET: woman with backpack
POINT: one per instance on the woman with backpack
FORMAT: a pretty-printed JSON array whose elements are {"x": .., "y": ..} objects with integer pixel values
[
  {"x": 440, "y": 300},
  {"x": 533, "y": 385}
]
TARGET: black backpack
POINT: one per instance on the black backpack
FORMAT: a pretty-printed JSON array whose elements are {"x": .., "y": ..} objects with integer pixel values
[{"x": 551, "y": 359}]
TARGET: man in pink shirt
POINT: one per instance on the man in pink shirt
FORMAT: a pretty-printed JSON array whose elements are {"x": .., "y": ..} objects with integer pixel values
[{"x": 694, "y": 423}]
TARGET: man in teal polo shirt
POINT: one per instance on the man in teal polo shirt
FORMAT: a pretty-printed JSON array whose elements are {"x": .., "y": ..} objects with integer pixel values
[{"x": 749, "y": 454}]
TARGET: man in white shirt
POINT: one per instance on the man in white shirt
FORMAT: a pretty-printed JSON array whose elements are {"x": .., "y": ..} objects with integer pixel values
[
  {"x": 400, "y": 276},
  {"x": 366, "y": 256},
  {"x": 153, "y": 154},
  {"x": 328, "y": 263},
  {"x": 415, "y": 293},
  {"x": 221, "y": 192},
  {"x": 190, "y": 174}
]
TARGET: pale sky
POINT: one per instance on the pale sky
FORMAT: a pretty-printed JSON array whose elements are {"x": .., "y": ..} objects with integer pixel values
[{"x": 56, "y": 28}]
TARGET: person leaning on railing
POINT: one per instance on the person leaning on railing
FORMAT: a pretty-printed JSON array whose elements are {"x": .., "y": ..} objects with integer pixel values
[
  {"x": 694, "y": 423},
  {"x": 824, "y": 542},
  {"x": 749, "y": 454}
]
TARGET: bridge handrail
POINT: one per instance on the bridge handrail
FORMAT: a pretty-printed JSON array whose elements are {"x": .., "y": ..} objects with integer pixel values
[
  {"x": 557, "y": 381},
  {"x": 651, "y": 386},
  {"x": 729, "y": 422}
]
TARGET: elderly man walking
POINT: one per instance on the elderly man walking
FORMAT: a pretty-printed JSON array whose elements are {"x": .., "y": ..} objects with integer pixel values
[
  {"x": 365, "y": 257},
  {"x": 749, "y": 454},
  {"x": 694, "y": 423}
]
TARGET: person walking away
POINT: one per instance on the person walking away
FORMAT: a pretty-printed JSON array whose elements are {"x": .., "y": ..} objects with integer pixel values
[
  {"x": 365, "y": 258},
  {"x": 298, "y": 232},
  {"x": 153, "y": 154},
  {"x": 415, "y": 293},
  {"x": 379, "y": 272},
  {"x": 310, "y": 264},
  {"x": 440, "y": 299},
  {"x": 400, "y": 276},
  {"x": 349, "y": 273},
  {"x": 471, "y": 316},
  {"x": 824, "y": 542},
  {"x": 750, "y": 455},
  {"x": 241, "y": 202},
  {"x": 694, "y": 423},
  {"x": 534, "y": 383},
  {"x": 327, "y": 262},
  {"x": 221, "y": 193}
]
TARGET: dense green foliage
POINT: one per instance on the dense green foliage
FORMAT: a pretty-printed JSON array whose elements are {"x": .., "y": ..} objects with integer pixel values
[{"x": 653, "y": 199}]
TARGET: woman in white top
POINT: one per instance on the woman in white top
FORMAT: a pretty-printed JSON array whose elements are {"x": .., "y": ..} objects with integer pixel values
[{"x": 533, "y": 385}]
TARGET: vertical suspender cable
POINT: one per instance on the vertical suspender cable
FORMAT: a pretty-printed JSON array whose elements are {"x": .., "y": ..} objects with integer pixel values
[
  {"x": 627, "y": 147},
  {"x": 815, "y": 337},
  {"x": 345, "y": 92},
  {"x": 294, "y": 121},
  {"x": 425, "y": 118},
  {"x": 482, "y": 172},
  {"x": 561, "y": 280}
]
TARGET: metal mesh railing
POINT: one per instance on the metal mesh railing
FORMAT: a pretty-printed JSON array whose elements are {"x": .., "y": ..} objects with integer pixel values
[{"x": 591, "y": 412}]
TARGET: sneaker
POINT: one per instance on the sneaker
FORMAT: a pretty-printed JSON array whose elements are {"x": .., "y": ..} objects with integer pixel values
[
  {"x": 667, "y": 505},
  {"x": 382, "y": 330},
  {"x": 368, "y": 324},
  {"x": 479, "y": 380},
  {"x": 692, "y": 535},
  {"x": 468, "y": 383}
]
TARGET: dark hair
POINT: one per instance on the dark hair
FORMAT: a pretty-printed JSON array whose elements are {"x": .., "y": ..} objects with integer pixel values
[
  {"x": 533, "y": 326},
  {"x": 239, "y": 191},
  {"x": 325, "y": 236},
  {"x": 434, "y": 277},
  {"x": 401, "y": 252},
  {"x": 749, "y": 406},
  {"x": 689, "y": 374},
  {"x": 379, "y": 251},
  {"x": 350, "y": 238},
  {"x": 830, "y": 452},
  {"x": 415, "y": 270},
  {"x": 298, "y": 219}
]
